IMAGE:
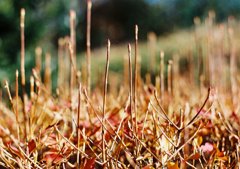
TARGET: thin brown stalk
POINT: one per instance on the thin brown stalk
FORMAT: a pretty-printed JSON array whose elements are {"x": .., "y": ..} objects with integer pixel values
[
  {"x": 13, "y": 108},
  {"x": 38, "y": 59},
  {"x": 16, "y": 90},
  {"x": 73, "y": 33},
  {"x": 71, "y": 54},
  {"x": 73, "y": 48},
  {"x": 22, "y": 25},
  {"x": 199, "y": 111},
  {"x": 104, "y": 100},
  {"x": 60, "y": 62},
  {"x": 88, "y": 45},
  {"x": 72, "y": 72},
  {"x": 170, "y": 92},
  {"x": 130, "y": 83},
  {"x": 32, "y": 88},
  {"x": 9, "y": 94},
  {"x": 162, "y": 74},
  {"x": 152, "y": 40},
  {"x": 136, "y": 78},
  {"x": 78, "y": 123},
  {"x": 157, "y": 84},
  {"x": 66, "y": 65},
  {"x": 47, "y": 73},
  {"x": 32, "y": 94}
]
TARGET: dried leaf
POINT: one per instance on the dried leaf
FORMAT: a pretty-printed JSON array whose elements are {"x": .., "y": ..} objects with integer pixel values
[
  {"x": 198, "y": 140},
  {"x": 90, "y": 163},
  {"x": 148, "y": 167},
  {"x": 172, "y": 165},
  {"x": 31, "y": 146},
  {"x": 52, "y": 156},
  {"x": 195, "y": 156}
]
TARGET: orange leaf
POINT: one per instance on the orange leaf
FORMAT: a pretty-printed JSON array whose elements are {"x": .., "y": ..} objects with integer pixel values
[
  {"x": 172, "y": 165},
  {"x": 147, "y": 167},
  {"x": 198, "y": 140},
  {"x": 90, "y": 163},
  {"x": 52, "y": 157},
  {"x": 195, "y": 156}
]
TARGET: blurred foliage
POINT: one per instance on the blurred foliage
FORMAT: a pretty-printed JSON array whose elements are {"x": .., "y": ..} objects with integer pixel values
[{"x": 47, "y": 20}]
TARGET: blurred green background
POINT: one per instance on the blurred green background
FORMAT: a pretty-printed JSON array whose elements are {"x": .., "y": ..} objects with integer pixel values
[{"x": 47, "y": 20}]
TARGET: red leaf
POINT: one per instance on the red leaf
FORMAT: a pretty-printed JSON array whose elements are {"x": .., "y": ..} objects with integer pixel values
[
  {"x": 147, "y": 167},
  {"x": 195, "y": 156},
  {"x": 31, "y": 146},
  {"x": 52, "y": 157},
  {"x": 90, "y": 163}
]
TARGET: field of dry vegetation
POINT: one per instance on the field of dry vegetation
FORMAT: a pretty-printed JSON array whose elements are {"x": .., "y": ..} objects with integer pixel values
[{"x": 183, "y": 112}]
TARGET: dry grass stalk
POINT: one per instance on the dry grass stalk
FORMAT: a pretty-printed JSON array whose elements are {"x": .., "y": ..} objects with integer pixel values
[
  {"x": 78, "y": 123},
  {"x": 60, "y": 62},
  {"x": 73, "y": 46},
  {"x": 104, "y": 102},
  {"x": 73, "y": 33},
  {"x": 16, "y": 91},
  {"x": 88, "y": 45},
  {"x": 32, "y": 88},
  {"x": 162, "y": 74},
  {"x": 72, "y": 73},
  {"x": 170, "y": 78},
  {"x": 47, "y": 73},
  {"x": 136, "y": 79},
  {"x": 22, "y": 25},
  {"x": 152, "y": 40},
  {"x": 130, "y": 84},
  {"x": 38, "y": 59}
]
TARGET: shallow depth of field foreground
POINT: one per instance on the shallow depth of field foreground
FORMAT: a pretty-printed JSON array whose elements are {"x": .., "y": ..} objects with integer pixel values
[{"x": 159, "y": 111}]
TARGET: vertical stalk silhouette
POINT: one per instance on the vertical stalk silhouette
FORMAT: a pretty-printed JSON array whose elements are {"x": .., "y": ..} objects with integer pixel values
[
  {"x": 60, "y": 78},
  {"x": 170, "y": 77},
  {"x": 73, "y": 46},
  {"x": 135, "y": 77},
  {"x": 22, "y": 26},
  {"x": 78, "y": 123},
  {"x": 88, "y": 45},
  {"x": 16, "y": 90},
  {"x": 162, "y": 74},
  {"x": 38, "y": 61},
  {"x": 130, "y": 83},
  {"x": 47, "y": 73},
  {"x": 104, "y": 103}
]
